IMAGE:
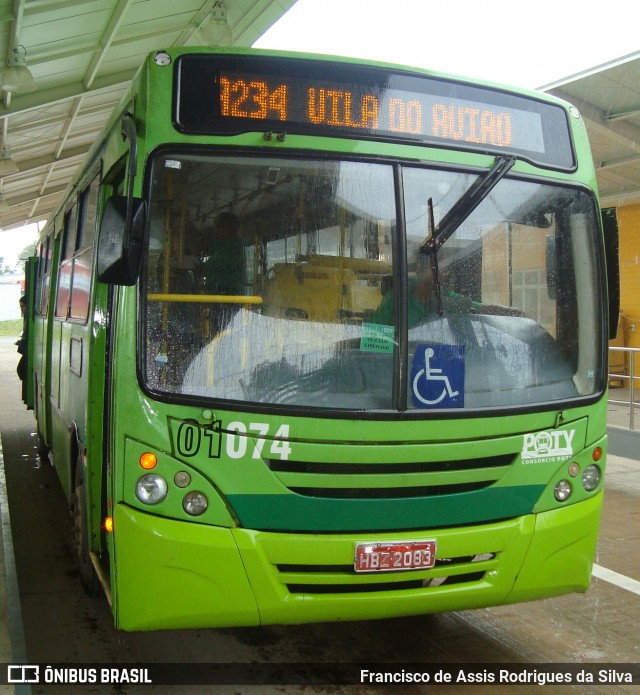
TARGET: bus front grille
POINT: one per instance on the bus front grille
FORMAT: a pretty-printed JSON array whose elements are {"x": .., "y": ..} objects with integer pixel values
[
  {"x": 389, "y": 480},
  {"x": 340, "y": 579}
]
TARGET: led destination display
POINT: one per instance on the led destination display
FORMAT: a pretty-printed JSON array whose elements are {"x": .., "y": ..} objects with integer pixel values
[
  {"x": 391, "y": 111},
  {"x": 219, "y": 94}
]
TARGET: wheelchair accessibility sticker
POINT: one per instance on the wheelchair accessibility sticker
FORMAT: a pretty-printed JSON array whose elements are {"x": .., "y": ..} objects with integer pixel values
[{"x": 437, "y": 376}]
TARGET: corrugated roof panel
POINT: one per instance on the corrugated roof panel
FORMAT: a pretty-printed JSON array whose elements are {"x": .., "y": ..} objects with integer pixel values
[{"x": 609, "y": 99}]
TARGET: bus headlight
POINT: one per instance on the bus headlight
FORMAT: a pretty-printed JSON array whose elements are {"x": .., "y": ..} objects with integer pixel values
[
  {"x": 562, "y": 490},
  {"x": 591, "y": 478},
  {"x": 151, "y": 488},
  {"x": 195, "y": 503}
]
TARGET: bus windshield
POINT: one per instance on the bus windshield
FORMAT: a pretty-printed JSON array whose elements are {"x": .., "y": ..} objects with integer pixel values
[{"x": 305, "y": 283}]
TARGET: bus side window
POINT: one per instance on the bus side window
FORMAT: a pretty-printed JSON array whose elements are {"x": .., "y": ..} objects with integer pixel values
[
  {"x": 66, "y": 261},
  {"x": 44, "y": 276},
  {"x": 40, "y": 252},
  {"x": 83, "y": 253}
]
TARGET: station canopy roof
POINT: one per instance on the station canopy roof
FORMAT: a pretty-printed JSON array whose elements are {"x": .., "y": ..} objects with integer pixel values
[
  {"x": 83, "y": 55},
  {"x": 608, "y": 98}
]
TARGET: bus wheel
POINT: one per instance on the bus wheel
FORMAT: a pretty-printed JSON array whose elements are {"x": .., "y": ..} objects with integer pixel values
[
  {"x": 88, "y": 576},
  {"x": 43, "y": 449}
]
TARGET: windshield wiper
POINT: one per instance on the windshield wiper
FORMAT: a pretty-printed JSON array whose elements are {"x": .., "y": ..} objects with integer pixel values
[
  {"x": 456, "y": 215},
  {"x": 466, "y": 204}
]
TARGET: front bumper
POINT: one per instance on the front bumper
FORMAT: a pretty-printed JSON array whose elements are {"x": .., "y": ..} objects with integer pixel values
[{"x": 172, "y": 574}]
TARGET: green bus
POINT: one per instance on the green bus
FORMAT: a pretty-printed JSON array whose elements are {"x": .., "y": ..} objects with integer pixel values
[{"x": 316, "y": 339}]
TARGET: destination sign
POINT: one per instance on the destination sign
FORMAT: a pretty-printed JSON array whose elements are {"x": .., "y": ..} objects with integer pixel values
[{"x": 227, "y": 94}]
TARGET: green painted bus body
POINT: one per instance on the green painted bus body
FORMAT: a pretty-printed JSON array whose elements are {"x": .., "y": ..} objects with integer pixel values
[{"x": 263, "y": 553}]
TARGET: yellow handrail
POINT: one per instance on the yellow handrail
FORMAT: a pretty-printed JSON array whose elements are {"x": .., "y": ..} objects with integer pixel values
[{"x": 205, "y": 298}]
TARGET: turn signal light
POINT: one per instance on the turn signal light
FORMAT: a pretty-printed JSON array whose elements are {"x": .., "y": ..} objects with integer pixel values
[
  {"x": 148, "y": 461},
  {"x": 108, "y": 524}
]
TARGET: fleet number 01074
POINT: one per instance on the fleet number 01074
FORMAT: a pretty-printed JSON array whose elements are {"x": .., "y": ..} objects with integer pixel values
[{"x": 237, "y": 438}]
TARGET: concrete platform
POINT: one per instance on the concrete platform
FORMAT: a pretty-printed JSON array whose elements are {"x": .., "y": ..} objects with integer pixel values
[{"x": 12, "y": 418}]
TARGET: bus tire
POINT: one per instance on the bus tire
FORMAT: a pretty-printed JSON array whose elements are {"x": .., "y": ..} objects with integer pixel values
[
  {"x": 88, "y": 577},
  {"x": 43, "y": 449}
]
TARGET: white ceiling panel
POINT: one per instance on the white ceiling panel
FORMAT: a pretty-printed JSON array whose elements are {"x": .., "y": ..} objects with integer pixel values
[{"x": 83, "y": 54}]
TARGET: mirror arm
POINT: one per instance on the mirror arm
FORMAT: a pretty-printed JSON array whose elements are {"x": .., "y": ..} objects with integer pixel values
[
  {"x": 128, "y": 130},
  {"x": 123, "y": 222}
]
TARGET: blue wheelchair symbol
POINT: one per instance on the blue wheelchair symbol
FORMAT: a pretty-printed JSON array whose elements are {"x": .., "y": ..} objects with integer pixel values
[{"x": 437, "y": 376}]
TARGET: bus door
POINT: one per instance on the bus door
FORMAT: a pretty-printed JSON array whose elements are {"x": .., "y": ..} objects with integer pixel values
[
  {"x": 31, "y": 271},
  {"x": 58, "y": 420},
  {"x": 71, "y": 329},
  {"x": 41, "y": 335}
]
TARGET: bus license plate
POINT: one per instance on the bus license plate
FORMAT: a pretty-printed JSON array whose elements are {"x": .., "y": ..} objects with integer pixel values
[{"x": 395, "y": 557}]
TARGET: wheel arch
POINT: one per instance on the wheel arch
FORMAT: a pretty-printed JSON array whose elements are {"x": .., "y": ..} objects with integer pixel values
[{"x": 76, "y": 454}]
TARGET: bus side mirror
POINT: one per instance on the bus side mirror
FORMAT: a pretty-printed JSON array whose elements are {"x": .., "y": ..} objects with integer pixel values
[
  {"x": 119, "y": 247},
  {"x": 611, "y": 251}
]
